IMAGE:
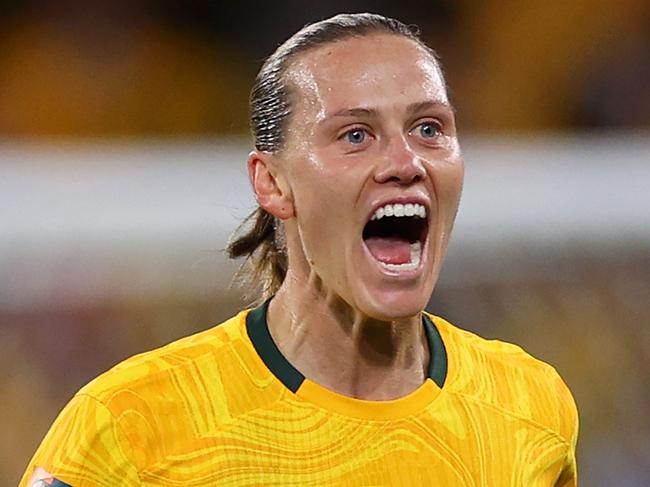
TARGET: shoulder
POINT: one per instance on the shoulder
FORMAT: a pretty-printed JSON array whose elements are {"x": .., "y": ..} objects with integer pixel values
[
  {"x": 503, "y": 376},
  {"x": 155, "y": 403},
  {"x": 160, "y": 400},
  {"x": 152, "y": 370}
]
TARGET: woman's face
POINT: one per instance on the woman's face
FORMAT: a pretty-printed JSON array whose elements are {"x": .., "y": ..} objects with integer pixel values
[{"x": 372, "y": 134}]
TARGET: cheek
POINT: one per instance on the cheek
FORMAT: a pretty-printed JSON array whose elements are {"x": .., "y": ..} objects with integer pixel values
[
  {"x": 454, "y": 176},
  {"x": 323, "y": 206},
  {"x": 319, "y": 183},
  {"x": 447, "y": 176},
  {"x": 315, "y": 211},
  {"x": 314, "y": 196}
]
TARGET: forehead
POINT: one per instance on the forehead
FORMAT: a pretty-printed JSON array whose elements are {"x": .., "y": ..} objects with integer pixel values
[{"x": 380, "y": 71}]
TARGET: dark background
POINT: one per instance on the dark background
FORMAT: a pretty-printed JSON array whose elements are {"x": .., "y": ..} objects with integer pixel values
[{"x": 117, "y": 117}]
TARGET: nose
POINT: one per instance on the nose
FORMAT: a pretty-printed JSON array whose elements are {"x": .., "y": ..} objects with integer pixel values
[{"x": 400, "y": 164}]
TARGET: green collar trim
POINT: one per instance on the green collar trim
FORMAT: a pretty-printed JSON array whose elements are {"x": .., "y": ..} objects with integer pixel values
[
  {"x": 258, "y": 332},
  {"x": 437, "y": 352}
]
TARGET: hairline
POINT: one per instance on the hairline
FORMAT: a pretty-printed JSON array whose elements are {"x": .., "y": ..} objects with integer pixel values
[{"x": 294, "y": 59}]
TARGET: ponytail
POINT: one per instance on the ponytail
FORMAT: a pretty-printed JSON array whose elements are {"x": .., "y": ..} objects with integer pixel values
[{"x": 259, "y": 239}]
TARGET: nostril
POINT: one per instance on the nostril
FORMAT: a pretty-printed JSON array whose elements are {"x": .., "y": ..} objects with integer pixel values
[{"x": 401, "y": 172}]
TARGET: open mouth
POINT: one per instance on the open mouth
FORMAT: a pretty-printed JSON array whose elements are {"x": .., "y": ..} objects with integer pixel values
[{"x": 396, "y": 234}]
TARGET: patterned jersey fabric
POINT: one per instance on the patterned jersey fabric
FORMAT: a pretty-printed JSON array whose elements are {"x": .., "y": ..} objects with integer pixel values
[{"x": 225, "y": 408}]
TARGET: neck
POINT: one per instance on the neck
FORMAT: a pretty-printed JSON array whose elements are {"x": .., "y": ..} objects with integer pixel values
[{"x": 340, "y": 348}]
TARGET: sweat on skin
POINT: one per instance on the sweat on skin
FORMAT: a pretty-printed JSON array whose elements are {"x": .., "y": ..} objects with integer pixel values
[{"x": 371, "y": 125}]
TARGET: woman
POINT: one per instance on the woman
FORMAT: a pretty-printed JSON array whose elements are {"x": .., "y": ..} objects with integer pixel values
[{"x": 338, "y": 377}]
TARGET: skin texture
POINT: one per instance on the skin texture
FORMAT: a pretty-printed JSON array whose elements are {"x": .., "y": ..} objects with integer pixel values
[{"x": 371, "y": 124}]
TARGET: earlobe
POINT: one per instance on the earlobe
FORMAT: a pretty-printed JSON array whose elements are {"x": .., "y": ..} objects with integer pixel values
[{"x": 266, "y": 182}]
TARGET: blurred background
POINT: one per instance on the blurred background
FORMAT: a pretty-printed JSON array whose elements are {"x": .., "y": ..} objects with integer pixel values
[{"x": 123, "y": 137}]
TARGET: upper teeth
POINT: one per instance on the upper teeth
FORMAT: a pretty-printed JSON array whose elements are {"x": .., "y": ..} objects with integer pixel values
[{"x": 398, "y": 209}]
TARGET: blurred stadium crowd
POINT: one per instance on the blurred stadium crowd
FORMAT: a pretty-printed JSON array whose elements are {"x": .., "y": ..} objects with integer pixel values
[
  {"x": 112, "y": 72},
  {"x": 164, "y": 67}
]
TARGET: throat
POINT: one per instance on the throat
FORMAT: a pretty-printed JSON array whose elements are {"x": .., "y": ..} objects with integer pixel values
[{"x": 345, "y": 351}]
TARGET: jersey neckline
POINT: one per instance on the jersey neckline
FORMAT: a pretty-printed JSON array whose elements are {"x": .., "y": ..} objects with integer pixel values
[{"x": 258, "y": 332}]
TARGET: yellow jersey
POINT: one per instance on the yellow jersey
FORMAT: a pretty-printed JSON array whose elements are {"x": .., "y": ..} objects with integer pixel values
[{"x": 224, "y": 407}]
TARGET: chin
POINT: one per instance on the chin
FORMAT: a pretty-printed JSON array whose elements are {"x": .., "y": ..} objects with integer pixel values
[{"x": 390, "y": 305}]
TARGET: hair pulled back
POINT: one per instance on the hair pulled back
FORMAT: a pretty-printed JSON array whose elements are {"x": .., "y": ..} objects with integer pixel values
[{"x": 260, "y": 238}]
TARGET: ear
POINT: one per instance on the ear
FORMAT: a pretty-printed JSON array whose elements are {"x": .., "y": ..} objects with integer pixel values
[{"x": 270, "y": 191}]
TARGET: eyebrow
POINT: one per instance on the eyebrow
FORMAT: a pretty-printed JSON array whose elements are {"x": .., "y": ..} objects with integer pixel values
[
  {"x": 429, "y": 105},
  {"x": 373, "y": 112},
  {"x": 354, "y": 112}
]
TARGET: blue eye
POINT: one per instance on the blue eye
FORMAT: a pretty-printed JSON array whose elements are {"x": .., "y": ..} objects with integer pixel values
[
  {"x": 356, "y": 136},
  {"x": 429, "y": 130}
]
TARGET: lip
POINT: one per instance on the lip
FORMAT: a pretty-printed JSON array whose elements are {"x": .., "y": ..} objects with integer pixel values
[{"x": 402, "y": 199}]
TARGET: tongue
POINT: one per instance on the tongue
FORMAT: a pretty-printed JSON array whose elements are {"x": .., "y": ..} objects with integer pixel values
[{"x": 389, "y": 250}]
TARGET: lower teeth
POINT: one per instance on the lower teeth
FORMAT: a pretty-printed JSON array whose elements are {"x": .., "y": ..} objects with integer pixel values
[{"x": 416, "y": 253}]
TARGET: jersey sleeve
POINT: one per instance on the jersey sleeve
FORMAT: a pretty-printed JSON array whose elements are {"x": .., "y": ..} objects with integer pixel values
[
  {"x": 569, "y": 418},
  {"x": 83, "y": 448},
  {"x": 569, "y": 475}
]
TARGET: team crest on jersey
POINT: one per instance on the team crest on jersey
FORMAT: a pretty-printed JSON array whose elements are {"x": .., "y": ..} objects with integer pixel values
[{"x": 43, "y": 478}]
